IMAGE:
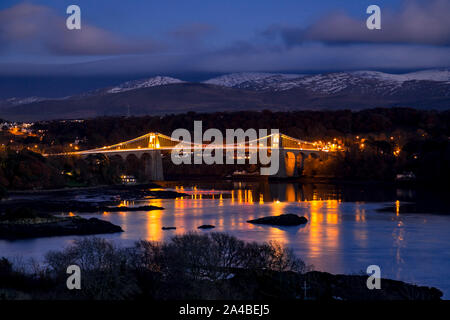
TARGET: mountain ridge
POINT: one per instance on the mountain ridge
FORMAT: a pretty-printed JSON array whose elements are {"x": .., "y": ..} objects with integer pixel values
[{"x": 241, "y": 91}]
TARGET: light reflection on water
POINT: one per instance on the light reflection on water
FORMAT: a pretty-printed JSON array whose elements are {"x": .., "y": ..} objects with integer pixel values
[{"x": 340, "y": 236}]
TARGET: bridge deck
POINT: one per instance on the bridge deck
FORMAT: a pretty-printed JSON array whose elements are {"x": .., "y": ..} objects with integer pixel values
[{"x": 157, "y": 141}]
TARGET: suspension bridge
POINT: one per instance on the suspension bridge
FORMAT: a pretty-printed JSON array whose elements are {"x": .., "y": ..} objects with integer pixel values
[{"x": 151, "y": 146}]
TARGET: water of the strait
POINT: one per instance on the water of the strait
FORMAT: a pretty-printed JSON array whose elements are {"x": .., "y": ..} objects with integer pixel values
[{"x": 345, "y": 233}]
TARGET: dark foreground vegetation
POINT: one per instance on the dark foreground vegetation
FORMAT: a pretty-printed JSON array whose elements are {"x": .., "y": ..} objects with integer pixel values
[
  {"x": 192, "y": 266},
  {"x": 378, "y": 143}
]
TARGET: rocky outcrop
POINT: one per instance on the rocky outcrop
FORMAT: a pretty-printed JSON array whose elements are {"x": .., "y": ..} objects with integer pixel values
[
  {"x": 55, "y": 226},
  {"x": 316, "y": 285},
  {"x": 281, "y": 220},
  {"x": 206, "y": 226}
]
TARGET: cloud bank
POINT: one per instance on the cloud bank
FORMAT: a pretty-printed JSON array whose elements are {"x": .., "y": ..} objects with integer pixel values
[
  {"x": 417, "y": 23},
  {"x": 38, "y": 29},
  {"x": 417, "y": 36}
]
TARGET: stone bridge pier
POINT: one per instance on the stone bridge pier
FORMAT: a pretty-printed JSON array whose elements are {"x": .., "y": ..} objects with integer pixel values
[{"x": 292, "y": 161}]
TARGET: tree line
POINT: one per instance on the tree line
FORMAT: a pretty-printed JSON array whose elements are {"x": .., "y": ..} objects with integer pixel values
[{"x": 379, "y": 144}]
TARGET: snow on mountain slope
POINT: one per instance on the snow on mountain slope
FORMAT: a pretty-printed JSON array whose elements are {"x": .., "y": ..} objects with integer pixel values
[
  {"x": 331, "y": 83},
  {"x": 244, "y": 79},
  {"x": 374, "y": 82},
  {"x": 434, "y": 82},
  {"x": 428, "y": 75},
  {"x": 144, "y": 83},
  {"x": 324, "y": 83},
  {"x": 126, "y": 86},
  {"x": 18, "y": 101},
  {"x": 26, "y": 100}
]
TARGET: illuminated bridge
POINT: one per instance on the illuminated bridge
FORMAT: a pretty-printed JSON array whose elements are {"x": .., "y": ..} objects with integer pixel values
[{"x": 149, "y": 147}]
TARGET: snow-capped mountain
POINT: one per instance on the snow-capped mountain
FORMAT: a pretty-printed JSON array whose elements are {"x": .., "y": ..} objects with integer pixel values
[
  {"x": 429, "y": 89},
  {"x": 251, "y": 80},
  {"x": 425, "y": 75},
  {"x": 144, "y": 83},
  {"x": 332, "y": 83},
  {"x": 126, "y": 86}
]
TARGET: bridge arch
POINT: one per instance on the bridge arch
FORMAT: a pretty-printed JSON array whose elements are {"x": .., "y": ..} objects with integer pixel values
[
  {"x": 313, "y": 155},
  {"x": 132, "y": 164},
  {"x": 289, "y": 164},
  {"x": 146, "y": 160},
  {"x": 118, "y": 158},
  {"x": 300, "y": 161}
]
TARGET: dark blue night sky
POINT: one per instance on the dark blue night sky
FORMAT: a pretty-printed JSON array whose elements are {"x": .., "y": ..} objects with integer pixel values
[{"x": 191, "y": 38}]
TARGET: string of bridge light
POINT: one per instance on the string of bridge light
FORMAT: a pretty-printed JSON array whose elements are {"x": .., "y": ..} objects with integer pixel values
[{"x": 184, "y": 144}]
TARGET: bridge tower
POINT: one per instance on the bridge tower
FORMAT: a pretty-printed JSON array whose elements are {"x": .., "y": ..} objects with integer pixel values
[
  {"x": 153, "y": 166},
  {"x": 291, "y": 157}
]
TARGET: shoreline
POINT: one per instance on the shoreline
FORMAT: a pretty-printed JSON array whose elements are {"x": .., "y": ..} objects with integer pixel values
[
  {"x": 96, "y": 187},
  {"x": 299, "y": 180}
]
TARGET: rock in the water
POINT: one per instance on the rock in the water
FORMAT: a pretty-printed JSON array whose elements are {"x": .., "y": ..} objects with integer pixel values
[
  {"x": 55, "y": 226},
  {"x": 281, "y": 220},
  {"x": 206, "y": 226},
  {"x": 168, "y": 228}
]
